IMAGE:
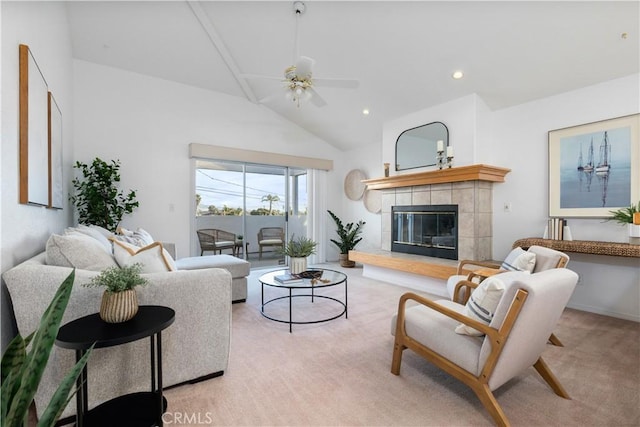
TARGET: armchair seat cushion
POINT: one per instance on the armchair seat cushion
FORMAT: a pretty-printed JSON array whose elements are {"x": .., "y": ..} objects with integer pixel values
[
  {"x": 437, "y": 331},
  {"x": 270, "y": 242}
]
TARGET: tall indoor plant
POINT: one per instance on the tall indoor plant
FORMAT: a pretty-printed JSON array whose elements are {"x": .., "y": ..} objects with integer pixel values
[
  {"x": 22, "y": 370},
  {"x": 349, "y": 237},
  {"x": 97, "y": 198}
]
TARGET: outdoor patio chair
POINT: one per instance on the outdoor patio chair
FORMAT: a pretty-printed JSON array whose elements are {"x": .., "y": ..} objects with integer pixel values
[
  {"x": 270, "y": 237},
  {"x": 215, "y": 240}
]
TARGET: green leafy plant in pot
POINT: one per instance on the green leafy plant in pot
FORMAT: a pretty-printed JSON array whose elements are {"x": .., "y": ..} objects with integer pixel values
[
  {"x": 349, "y": 237},
  {"x": 628, "y": 216},
  {"x": 97, "y": 198},
  {"x": 22, "y": 370},
  {"x": 119, "y": 299},
  {"x": 298, "y": 249}
]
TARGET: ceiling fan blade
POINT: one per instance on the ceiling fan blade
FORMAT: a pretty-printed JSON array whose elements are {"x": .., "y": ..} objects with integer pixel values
[
  {"x": 316, "y": 99},
  {"x": 304, "y": 67},
  {"x": 342, "y": 83},
  {"x": 259, "y": 76}
]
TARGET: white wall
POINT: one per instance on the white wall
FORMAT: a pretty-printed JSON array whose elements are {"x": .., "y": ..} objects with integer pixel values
[
  {"x": 521, "y": 134},
  {"x": 608, "y": 285},
  {"x": 517, "y": 138},
  {"x": 24, "y": 229},
  {"x": 147, "y": 123},
  {"x": 368, "y": 159},
  {"x": 461, "y": 118}
]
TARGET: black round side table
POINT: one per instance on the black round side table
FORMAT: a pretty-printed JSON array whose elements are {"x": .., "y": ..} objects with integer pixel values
[{"x": 135, "y": 409}]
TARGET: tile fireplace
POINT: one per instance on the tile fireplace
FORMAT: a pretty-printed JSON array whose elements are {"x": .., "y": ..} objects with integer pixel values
[{"x": 430, "y": 230}]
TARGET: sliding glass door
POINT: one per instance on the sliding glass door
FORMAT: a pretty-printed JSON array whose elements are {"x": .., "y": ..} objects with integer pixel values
[{"x": 259, "y": 204}]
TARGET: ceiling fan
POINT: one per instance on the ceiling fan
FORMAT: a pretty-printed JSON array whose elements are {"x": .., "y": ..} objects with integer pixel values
[{"x": 298, "y": 78}]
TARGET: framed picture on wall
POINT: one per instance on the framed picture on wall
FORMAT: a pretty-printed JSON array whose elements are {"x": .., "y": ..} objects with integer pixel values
[
  {"x": 594, "y": 168},
  {"x": 55, "y": 154},
  {"x": 34, "y": 135}
]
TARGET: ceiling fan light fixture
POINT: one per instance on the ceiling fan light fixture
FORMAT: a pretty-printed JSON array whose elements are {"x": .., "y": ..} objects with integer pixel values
[{"x": 298, "y": 82}]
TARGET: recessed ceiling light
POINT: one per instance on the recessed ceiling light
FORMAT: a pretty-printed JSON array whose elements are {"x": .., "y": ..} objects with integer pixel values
[
  {"x": 624, "y": 36},
  {"x": 365, "y": 112},
  {"x": 457, "y": 75}
]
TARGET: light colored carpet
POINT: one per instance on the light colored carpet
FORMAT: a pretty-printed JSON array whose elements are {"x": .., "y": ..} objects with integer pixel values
[{"x": 338, "y": 373}]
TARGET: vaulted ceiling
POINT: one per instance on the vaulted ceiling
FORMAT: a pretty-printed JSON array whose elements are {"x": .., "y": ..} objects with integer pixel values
[{"x": 402, "y": 53}]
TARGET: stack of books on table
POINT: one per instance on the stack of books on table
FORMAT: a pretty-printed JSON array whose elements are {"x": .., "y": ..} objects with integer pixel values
[{"x": 288, "y": 278}]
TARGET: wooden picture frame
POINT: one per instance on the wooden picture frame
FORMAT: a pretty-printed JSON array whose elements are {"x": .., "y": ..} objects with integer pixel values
[
  {"x": 594, "y": 168},
  {"x": 34, "y": 134},
  {"x": 55, "y": 155}
]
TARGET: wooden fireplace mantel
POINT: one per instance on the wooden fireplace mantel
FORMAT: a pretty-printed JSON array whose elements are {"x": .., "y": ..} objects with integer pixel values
[{"x": 458, "y": 174}]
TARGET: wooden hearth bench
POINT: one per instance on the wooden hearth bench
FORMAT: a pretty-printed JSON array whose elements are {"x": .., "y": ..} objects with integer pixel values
[{"x": 417, "y": 264}]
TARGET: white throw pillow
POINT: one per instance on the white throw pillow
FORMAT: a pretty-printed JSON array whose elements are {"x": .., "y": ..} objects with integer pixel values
[
  {"x": 153, "y": 258},
  {"x": 519, "y": 260},
  {"x": 78, "y": 250},
  {"x": 106, "y": 233},
  {"x": 94, "y": 233},
  {"x": 140, "y": 237},
  {"x": 482, "y": 305}
]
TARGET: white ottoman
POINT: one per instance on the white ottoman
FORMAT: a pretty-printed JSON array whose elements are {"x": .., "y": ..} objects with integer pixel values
[{"x": 238, "y": 268}]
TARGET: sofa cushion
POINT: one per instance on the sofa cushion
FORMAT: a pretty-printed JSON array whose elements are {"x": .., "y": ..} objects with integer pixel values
[
  {"x": 94, "y": 233},
  {"x": 106, "y": 233},
  {"x": 236, "y": 266},
  {"x": 78, "y": 250},
  {"x": 153, "y": 258},
  {"x": 139, "y": 237}
]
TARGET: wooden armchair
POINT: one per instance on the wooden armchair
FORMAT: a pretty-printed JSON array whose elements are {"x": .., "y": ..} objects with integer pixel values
[
  {"x": 527, "y": 312},
  {"x": 460, "y": 285},
  {"x": 270, "y": 237},
  {"x": 212, "y": 239}
]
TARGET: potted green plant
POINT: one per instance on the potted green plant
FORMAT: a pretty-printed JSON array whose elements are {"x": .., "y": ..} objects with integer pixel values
[
  {"x": 629, "y": 216},
  {"x": 97, "y": 198},
  {"x": 298, "y": 249},
  {"x": 349, "y": 237},
  {"x": 119, "y": 299},
  {"x": 22, "y": 369}
]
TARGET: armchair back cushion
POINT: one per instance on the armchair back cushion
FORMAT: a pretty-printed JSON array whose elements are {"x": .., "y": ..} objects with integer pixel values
[
  {"x": 548, "y": 294},
  {"x": 547, "y": 258}
]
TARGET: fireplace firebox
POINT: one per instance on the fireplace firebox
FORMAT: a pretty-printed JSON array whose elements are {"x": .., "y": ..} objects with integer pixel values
[{"x": 430, "y": 230}]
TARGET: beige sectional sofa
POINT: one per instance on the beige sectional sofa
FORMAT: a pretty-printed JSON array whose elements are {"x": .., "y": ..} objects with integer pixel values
[{"x": 195, "y": 346}]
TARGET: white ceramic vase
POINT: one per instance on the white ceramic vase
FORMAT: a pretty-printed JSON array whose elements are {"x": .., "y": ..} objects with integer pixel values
[
  {"x": 634, "y": 230},
  {"x": 297, "y": 265}
]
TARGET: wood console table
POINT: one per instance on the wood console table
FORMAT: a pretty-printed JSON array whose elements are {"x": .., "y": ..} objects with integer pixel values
[{"x": 583, "y": 246}]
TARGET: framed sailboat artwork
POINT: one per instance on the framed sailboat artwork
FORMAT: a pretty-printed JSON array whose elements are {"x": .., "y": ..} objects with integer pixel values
[{"x": 594, "y": 168}]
